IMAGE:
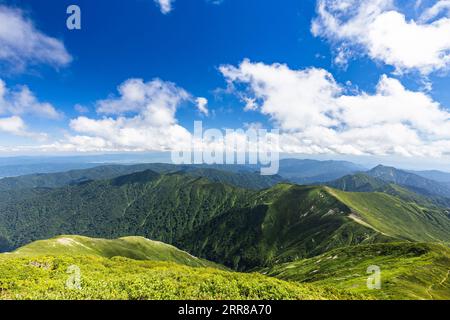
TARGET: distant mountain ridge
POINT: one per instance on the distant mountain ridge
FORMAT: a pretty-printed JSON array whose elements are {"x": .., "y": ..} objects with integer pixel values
[
  {"x": 436, "y": 175},
  {"x": 246, "y": 178},
  {"x": 305, "y": 171},
  {"x": 410, "y": 180},
  {"x": 26, "y": 169},
  {"x": 362, "y": 182},
  {"x": 293, "y": 170}
]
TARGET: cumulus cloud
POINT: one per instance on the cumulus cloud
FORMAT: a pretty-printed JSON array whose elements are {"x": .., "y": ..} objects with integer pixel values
[
  {"x": 202, "y": 105},
  {"x": 16, "y": 126},
  {"x": 384, "y": 33},
  {"x": 318, "y": 115},
  {"x": 279, "y": 90},
  {"x": 21, "y": 101},
  {"x": 157, "y": 100},
  {"x": 165, "y": 5},
  {"x": 22, "y": 44},
  {"x": 141, "y": 118}
]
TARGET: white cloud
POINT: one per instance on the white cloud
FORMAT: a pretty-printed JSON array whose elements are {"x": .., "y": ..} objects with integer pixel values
[
  {"x": 141, "y": 118},
  {"x": 22, "y": 101},
  {"x": 202, "y": 105},
  {"x": 282, "y": 90},
  {"x": 22, "y": 44},
  {"x": 441, "y": 6},
  {"x": 16, "y": 126},
  {"x": 317, "y": 115},
  {"x": 250, "y": 104},
  {"x": 165, "y": 5},
  {"x": 385, "y": 34}
]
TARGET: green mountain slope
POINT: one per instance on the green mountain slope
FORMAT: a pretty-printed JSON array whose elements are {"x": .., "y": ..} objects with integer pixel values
[
  {"x": 396, "y": 218},
  {"x": 137, "y": 248},
  {"x": 242, "y": 229},
  {"x": 242, "y": 179},
  {"x": 408, "y": 270},
  {"x": 289, "y": 222},
  {"x": 161, "y": 207},
  {"x": 283, "y": 223},
  {"x": 359, "y": 182},
  {"x": 73, "y": 267}
]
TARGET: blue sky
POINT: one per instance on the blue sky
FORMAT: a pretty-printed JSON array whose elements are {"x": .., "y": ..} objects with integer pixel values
[{"x": 221, "y": 51}]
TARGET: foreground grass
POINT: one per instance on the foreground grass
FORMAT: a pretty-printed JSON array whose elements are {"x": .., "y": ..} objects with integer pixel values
[
  {"x": 46, "y": 277},
  {"x": 408, "y": 270}
]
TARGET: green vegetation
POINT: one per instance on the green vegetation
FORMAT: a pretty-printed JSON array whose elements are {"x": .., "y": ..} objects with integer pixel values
[
  {"x": 242, "y": 179},
  {"x": 396, "y": 218},
  {"x": 281, "y": 224},
  {"x": 43, "y": 269},
  {"x": 408, "y": 270},
  {"x": 160, "y": 207},
  {"x": 286, "y": 229},
  {"x": 137, "y": 248},
  {"x": 359, "y": 182},
  {"x": 289, "y": 222}
]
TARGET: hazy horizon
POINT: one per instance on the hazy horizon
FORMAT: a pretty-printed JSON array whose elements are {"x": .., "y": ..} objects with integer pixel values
[{"x": 164, "y": 157}]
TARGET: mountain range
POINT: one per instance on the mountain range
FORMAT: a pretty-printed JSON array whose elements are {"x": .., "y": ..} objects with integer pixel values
[{"x": 236, "y": 220}]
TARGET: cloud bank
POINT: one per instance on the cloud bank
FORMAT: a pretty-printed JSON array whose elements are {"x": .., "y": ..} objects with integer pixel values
[
  {"x": 382, "y": 31},
  {"x": 317, "y": 115},
  {"x": 140, "y": 118}
]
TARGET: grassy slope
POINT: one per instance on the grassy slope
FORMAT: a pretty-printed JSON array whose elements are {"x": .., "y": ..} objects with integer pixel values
[
  {"x": 408, "y": 271},
  {"x": 396, "y": 218},
  {"x": 136, "y": 248},
  {"x": 42, "y": 270}
]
